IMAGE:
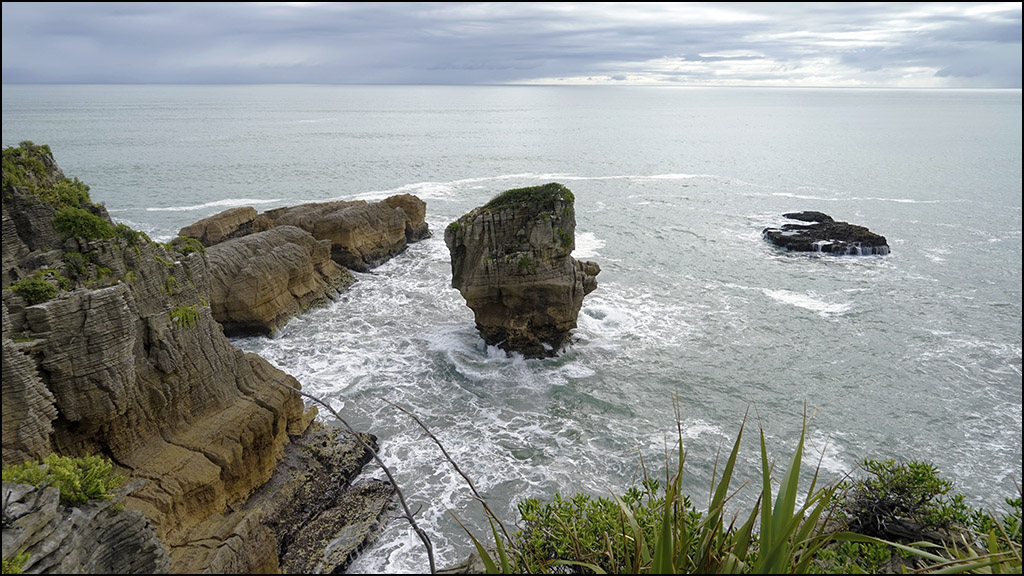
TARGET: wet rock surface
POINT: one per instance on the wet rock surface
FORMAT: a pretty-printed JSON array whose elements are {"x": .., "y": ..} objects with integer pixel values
[{"x": 823, "y": 234}]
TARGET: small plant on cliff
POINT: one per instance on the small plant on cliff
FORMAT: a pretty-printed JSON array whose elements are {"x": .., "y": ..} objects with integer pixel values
[
  {"x": 184, "y": 316},
  {"x": 34, "y": 290},
  {"x": 16, "y": 563},
  {"x": 187, "y": 245},
  {"x": 76, "y": 263},
  {"x": 79, "y": 223},
  {"x": 78, "y": 479},
  {"x": 131, "y": 236},
  {"x": 553, "y": 192}
]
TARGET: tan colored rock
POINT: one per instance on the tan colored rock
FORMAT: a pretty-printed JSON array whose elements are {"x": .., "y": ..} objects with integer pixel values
[
  {"x": 511, "y": 261},
  {"x": 260, "y": 281},
  {"x": 415, "y": 210},
  {"x": 362, "y": 235},
  {"x": 223, "y": 226}
]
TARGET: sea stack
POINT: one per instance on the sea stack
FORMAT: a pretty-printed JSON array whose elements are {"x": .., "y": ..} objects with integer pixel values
[
  {"x": 823, "y": 234},
  {"x": 511, "y": 260}
]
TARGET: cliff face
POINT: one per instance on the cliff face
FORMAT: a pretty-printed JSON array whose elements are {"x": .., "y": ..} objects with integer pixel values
[
  {"x": 511, "y": 260},
  {"x": 121, "y": 357}
]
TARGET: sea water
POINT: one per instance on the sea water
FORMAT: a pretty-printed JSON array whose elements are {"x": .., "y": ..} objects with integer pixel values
[{"x": 914, "y": 356}]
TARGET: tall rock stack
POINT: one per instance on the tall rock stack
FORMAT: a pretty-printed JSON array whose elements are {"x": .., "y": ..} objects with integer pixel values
[{"x": 511, "y": 260}]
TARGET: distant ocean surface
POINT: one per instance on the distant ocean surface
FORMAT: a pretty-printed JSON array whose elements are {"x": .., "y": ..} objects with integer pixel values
[{"x": 915, "y": 355}]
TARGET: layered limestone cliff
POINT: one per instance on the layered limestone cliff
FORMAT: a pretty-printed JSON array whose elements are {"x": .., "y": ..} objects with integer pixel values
[
  {"x": 511, "y": 260},
  {"x": 265, "y": 268},
  {"x": 110, "y": 348}
]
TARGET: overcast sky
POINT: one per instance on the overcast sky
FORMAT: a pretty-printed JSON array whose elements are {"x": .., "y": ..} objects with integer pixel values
[{"x": 974, "y": 45}]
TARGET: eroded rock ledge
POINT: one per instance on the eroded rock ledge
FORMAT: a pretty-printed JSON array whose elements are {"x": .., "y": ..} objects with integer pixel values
[
  {"x": 826, "y": 235},
  {"x": 268, "y": 267},
  {"x": 115, "y": 352},
  {"x": 511, "y": 260}
]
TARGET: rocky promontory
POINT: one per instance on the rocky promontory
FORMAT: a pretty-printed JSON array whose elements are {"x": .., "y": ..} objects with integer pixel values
[
  {"x": 825, "y": 235},
  {"x": 511, "y": 260},
  {"x": 267, "y": 267},
  {"x": 110, "y": 348}
]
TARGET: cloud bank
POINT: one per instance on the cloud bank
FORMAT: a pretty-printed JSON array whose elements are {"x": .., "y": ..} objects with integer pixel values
[{"x": 972, "y": 45}]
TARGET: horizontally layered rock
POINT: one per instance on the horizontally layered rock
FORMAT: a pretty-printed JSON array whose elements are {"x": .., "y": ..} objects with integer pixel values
[
  {"x": 223, "y": 226},
  {"x": 825, "y": 235},
  {"x": 123, "y": 358},
  {"x": 362, "y": 235},
  {"x": 258, "y": 282},
  {"x": 511, "y": 260},
  {"x": 91, "y": 538}
]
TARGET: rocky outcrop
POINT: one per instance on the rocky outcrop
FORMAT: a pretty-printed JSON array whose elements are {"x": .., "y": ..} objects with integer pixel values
[
  {"x": 511, "y": 260},
  {"x": 91, "y": 538},
  {"x": 223, "y": 226},
  {"x": 824, "y": 234},
  {"x": 260, "y": 281},
  {"x": 122, "y": 357},
  {"x": 362, "y": 235}
]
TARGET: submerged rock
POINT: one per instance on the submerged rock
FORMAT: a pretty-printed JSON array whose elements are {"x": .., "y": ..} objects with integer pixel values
[
  {"x": 824, "y": 234},
  {"x": 511, "y": 260}
]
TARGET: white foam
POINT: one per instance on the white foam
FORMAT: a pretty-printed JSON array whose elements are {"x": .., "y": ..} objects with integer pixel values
[
  {"x": 227, "y": 202},
  {"x": 317, "y": 120},
  {"x": 587, "y": 245},
  {"x": 807, "y": 302}
]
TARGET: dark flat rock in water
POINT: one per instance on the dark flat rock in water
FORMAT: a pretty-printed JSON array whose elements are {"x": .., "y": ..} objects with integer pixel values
[{"x": 824, "y": 234}]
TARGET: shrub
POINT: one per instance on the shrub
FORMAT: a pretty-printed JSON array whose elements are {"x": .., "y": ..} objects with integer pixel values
[
  {"x": 130, "y": 235},
  {"x": 24, "y": 167},
  {"x": 34, "y": 290},
  {"x": 553, "y": 192},
  {"x": 79, "y": 223},
  {"x": 78, "y": 479},
  {"x": 76, "y": 263},
  {"x": 187, "y": 245},
  {"x": 902, "y": 492},
  {"x": 16, "y": 564},
  {"x": 184, "y": 316}
]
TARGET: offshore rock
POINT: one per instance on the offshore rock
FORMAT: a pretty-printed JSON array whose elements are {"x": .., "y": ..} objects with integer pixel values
[
  {"x": 511, "y": 260},
  {"x": 124, "y": 359},
  {"x": 258, "y": 282},
  {"x": 825, "y": 235}
]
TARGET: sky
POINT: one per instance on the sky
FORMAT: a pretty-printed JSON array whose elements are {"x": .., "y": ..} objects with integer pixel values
[{"x": 843, "y": 44}]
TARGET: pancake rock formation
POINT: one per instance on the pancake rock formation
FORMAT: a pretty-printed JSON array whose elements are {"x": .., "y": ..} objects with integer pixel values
[
  {"x": 268, "y": 267},
  {"x": 824, "y": 234},
  {"x": 110, "y": 348},
  {"x": 511, "y": 260}
]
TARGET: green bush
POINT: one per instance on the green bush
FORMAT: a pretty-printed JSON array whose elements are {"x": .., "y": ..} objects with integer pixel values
[
  {"x": 16, "y": 564},
  {"x": 78, "y": 479},
  {"x": 34, "y": 290},
  {"x": 76, "y": 263},
  {"x": 187, "y": 245},
  {"x": 902, "y": 492},
  {"x": 184, "y": 316},
  {"x": 552, "y": 192},
  {"x": 79, "y": 223},
  {"x": 24, "y": 168},
  {"x": 131, "y": 236}
]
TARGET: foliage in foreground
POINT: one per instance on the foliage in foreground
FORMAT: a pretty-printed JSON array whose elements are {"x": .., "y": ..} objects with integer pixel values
[
  {"x": 78, "y": 479},
  {"x": 654, "y": 528},
  {"x": 15, "y": 564}
]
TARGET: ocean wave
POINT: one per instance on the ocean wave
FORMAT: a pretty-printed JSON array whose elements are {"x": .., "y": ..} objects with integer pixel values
[
  {"x": 807, "y": 302},
  {"x": 225, "y": 203},
  {"x": 587, "y": 245}
]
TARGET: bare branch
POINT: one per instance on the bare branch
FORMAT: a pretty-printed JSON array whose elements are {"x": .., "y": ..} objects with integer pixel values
[{"x": 401, "y": 497}]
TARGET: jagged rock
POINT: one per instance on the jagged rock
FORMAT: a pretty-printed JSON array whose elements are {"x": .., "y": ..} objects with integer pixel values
[
  {"x": 91, "y": 538},
  {"x": 127, "y": 361},
  {"x": 825, "y": 235},
  {"x": 223, "y": 226},
  {"x": 259, "y": 281},
  {"x": 511, "y": 261}
]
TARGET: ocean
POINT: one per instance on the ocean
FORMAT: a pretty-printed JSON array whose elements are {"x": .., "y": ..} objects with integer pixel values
[{"x": 912, "y": 356}]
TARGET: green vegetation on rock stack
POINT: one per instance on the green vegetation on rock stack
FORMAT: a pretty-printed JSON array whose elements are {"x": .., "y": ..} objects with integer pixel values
[
  {"x": 24, "y": 167},
  {"x": 78, "y": 479},
  {"x": 552, "y": 192}
]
